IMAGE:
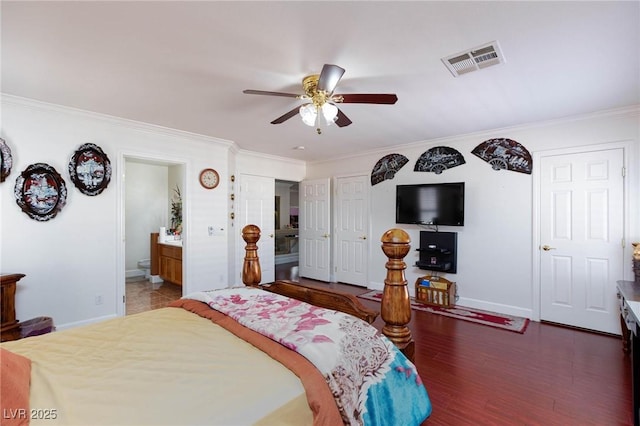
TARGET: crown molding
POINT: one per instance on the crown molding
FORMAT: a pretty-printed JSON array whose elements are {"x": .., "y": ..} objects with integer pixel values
[
  {"x": 247, "y": 153},
  {"x": 629, "y": 111},
  {"x": 33, "y": 104}
]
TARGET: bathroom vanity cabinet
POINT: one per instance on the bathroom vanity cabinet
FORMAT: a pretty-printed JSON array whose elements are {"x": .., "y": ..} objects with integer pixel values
[{"x": 170, "y": 263}]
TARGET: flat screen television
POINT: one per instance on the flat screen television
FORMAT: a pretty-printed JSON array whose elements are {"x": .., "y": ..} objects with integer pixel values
[{"x": 431, "y": 204}]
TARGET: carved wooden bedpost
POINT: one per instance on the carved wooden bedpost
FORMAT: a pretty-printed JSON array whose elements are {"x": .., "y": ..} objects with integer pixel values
[
  {"x": 396, "y": 306},
  {"x": 251, "y": 274}
]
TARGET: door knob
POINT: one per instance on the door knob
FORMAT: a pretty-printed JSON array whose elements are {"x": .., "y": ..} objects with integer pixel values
[
  {"x": 364, "y": 237},
  {"x": 326, "y": 235},
  {"x": 547, "y": 248},
  {"x": 270, "y": 235}
]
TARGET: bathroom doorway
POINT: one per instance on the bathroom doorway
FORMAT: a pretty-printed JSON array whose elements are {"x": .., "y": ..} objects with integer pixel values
[
  {"x": 286, "y": 230},
  {"x": 154, "y": 193}
]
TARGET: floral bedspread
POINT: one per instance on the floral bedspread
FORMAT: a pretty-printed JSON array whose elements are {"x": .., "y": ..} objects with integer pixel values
[{"x": 372, "y": 382}]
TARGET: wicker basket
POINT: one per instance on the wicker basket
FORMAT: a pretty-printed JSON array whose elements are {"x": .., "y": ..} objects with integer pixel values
[{"x": 435, "y": 291}]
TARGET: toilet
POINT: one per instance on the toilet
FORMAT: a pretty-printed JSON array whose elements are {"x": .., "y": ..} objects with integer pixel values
[{"x": 145, "y": 265}]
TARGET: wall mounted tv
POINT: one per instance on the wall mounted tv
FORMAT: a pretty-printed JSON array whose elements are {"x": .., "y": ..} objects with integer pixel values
[{"x": 431, "y": 204}]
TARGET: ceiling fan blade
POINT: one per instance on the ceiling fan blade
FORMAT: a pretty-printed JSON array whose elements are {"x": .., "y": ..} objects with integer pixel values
[
  {"x": 286, "y": 116},
  {"x": 329, "y": 77},
  {"x": 369, "y": 98},
  {"x": 342, "y": 120},
  {"x": 262, "y": 92}
]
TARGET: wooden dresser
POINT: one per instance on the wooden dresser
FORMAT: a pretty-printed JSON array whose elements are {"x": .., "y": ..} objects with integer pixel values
[
  {"x": 629, "y": 298},
  {"x": 9, "y": 326}
]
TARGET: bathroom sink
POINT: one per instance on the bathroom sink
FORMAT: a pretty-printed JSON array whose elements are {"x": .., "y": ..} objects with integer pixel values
[{"x": 177, "y": 243}]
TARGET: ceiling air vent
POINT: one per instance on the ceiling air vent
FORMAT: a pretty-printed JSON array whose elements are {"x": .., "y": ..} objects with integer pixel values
[{"x": 474, "y": 59}]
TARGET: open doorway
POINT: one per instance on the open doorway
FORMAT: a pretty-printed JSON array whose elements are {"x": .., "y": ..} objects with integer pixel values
[
  {"x": 286, "y": 230},
  {"x": 153, "y": 199}
]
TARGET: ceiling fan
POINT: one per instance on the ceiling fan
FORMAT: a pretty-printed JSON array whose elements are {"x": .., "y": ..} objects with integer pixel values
[{"x": 321, "y": 108}]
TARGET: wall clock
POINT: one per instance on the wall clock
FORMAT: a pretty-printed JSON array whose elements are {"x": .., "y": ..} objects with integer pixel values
[{"x": 209, "y": 178}]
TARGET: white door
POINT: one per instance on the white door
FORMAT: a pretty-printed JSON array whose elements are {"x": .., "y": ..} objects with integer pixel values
[
  {"x": 257, "y": 207},
  {"x": 352, "y": 226},
  {"x": 581, "y": 237},
  {"x": 314, "y": 226}
]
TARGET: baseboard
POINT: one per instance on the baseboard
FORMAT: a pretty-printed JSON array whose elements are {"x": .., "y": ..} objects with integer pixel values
[
  {"x": 495, "y": 307},
  {"x": 81, "y": 323},
  {"x": 472, "y": 303},
  {"x": 286, "y": 258},
  {"x": 131, "y": 273}
]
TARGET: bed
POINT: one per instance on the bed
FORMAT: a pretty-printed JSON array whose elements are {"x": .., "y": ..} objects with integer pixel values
[{"x": 279, "y": 354}]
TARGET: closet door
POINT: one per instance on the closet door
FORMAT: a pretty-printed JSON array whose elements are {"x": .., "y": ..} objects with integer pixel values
[
  {"x": 582, "y": 237},
  {"x": 315, "y": 238},
  {"x": 257, "y": 207},
  {"x": 352, "y": 228}
]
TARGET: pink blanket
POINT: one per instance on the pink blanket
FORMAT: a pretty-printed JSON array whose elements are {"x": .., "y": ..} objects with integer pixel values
[{"x": 319, "y": 396}]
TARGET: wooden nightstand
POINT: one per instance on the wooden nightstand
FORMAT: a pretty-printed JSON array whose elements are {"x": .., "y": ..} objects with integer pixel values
[{"x": 9, "y": 327}]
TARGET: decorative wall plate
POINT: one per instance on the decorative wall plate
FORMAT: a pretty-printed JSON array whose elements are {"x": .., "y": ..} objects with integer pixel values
[
  {"x": 438, "y": 159},
  {"x": 387, "y": 167},
  {"x": 505, "y": 154},
  {"x": 90, "y": 169},
  {"x": 40, "y": 192},
  {"x": 6, "y": 161}
]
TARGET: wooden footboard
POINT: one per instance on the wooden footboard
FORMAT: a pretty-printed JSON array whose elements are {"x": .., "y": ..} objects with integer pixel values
[
  {"x": 323, "y": 297},
  {"x": 396, "y": 308}
]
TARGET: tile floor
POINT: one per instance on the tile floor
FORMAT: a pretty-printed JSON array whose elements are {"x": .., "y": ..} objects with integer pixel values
[{"x": 144, "y": 296}]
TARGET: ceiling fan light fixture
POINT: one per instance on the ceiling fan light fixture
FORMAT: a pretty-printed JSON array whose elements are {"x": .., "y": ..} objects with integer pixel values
[
  {"x": 319, "y": 109},
  {"x": 309, "y": 114},
  {"x": 330, "y": 113}
]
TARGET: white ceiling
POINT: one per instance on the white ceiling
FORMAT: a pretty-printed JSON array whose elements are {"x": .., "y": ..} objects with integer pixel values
[{"x": 184, "y": 65}]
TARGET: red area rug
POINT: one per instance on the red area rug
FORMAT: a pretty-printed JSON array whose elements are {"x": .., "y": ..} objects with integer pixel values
[{"x": 492, "y": 319}]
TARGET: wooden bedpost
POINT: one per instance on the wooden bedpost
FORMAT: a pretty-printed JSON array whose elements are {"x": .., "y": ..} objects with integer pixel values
[
  {"x": 396, "y": 306},
  {"x": 251, "y": 274}
]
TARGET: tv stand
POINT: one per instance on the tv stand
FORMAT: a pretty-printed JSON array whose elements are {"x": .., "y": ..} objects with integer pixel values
[{"x": 438, "y": 251}]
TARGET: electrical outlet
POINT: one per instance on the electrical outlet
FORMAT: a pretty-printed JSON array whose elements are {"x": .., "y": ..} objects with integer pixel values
[
  {"x": 211, "y": 231},
  {"x": 98, "y": 299}
]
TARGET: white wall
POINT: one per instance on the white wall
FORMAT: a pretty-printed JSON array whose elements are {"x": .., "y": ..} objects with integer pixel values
[
  {"x": 79, "y": 255},
  {"x": 495, "y": 252},
  {"x": 146, "y": 200}
]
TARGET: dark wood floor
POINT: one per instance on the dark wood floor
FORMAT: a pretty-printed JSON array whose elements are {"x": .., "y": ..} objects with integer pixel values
[{"x": 550, "y": 375}]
